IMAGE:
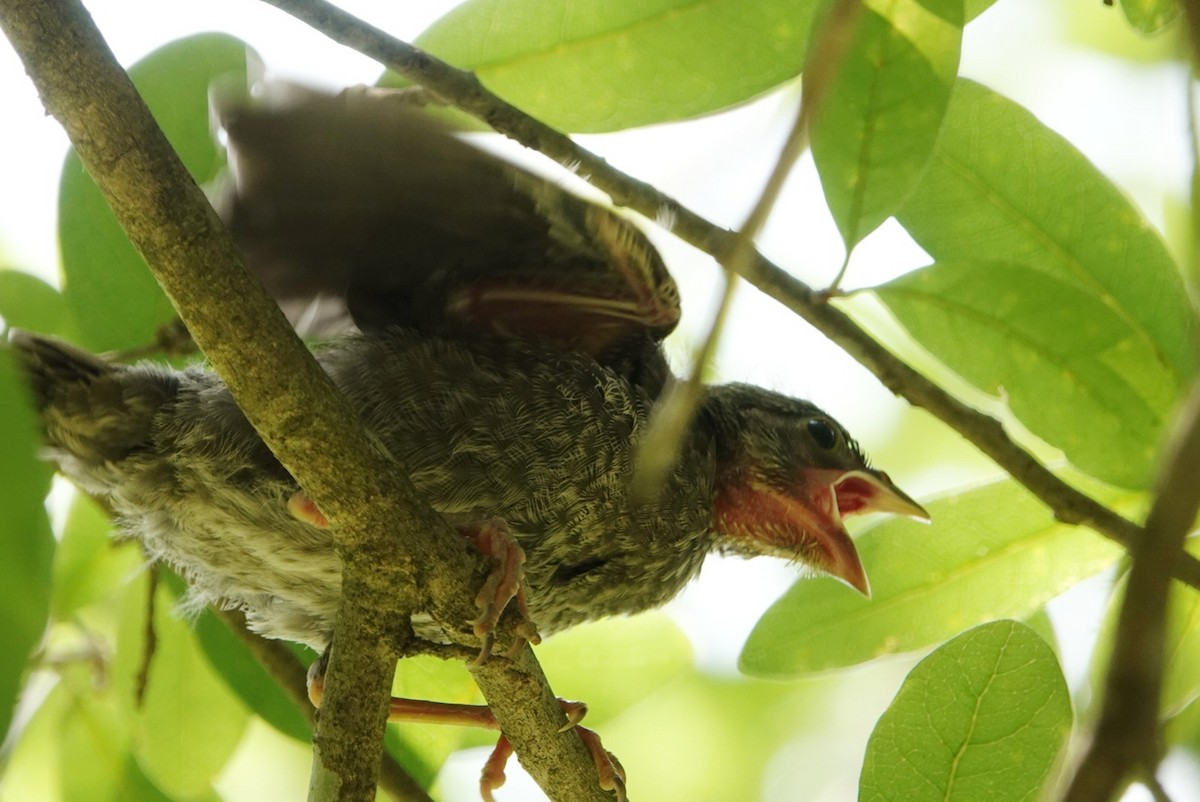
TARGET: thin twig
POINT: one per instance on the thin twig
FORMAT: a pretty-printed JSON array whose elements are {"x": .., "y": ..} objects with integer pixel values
[
  {"x": 141, "y": 680},
  {"x": 1156, "y": 789},
  {"x": 463, "y": 90},
  {"x": 292, "y": 677},
  {"x": 674, "y": 412}
]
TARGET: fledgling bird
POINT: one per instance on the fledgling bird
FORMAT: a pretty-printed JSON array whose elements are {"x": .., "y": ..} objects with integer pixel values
[{"x": 509, "y": 358}]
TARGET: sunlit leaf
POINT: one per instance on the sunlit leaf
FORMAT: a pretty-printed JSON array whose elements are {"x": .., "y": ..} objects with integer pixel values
[
  {"x": 993, "y": 552},
  {"x": 24, "y": 534},
  {"x": 603, "y": 65},
  {"x": 1072, "y": 368},
  {"x": 1181, "y": 678},
  {"x": 973, "y": 8},
  {"x": 88, "y": 563},
  {"x": 32, "y": 767},
  {"x": 245, "y": 676},
  {"x": 639, "y": 655},
  {"x": 1150, "y": 16},
  {"x": 1040, "y": 623},
  {"x": 76, "y": 747},
  {"x": 1006, "y": 204},
  {"x": 98, "y": 765},
  {"x": 112, "y": 296},
  {"x": 1181, "y": 671},
  {"x": 27, "y": 302},
  {"x": 981, "y": 719},
  {"x": 189, "y": 722},
  {"x": 731, "y": 727},
  {"x": 423, "y": 748},
  {"x": 876, "y": 126}
]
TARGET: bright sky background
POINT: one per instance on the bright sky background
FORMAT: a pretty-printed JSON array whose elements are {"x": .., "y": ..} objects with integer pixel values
[{"x": 1130, "y": 120}]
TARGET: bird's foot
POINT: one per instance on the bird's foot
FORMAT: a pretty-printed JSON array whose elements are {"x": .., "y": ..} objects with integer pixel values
[
  {"x": 609, "y": 770},
  {"x": 503, "y": 584},
  {"x": 303, "y": 509}
]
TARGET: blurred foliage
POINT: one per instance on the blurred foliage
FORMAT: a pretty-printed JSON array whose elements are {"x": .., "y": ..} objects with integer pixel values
[
  {"x": 1047, "y": 292},
  {"x": 25, "y": 533},
  {"x": 114, "y": 301},
  {"x": 636, "y": 61}
]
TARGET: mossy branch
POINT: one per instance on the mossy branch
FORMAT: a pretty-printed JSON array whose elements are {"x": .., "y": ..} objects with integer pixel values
[{"x": 397, "y": 555}]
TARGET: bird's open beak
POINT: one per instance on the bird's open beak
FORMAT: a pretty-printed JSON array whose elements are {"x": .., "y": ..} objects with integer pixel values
[
  {"x": 871, "y": 491},
  {"x": 833, "y": 495}
]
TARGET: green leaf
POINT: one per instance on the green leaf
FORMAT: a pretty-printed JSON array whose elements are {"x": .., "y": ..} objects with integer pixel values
[
  {"x": 246, "y": 677},
  {"x": 604, "y": 65},
  {"x": 1181, "y": 678},
  {"x": 1005, "y": 198},
  {"x": 973, "y": 8},
  {"x": 32, "y": 763},
  {"x": 111, "y": 294},
  {"x": 423, "y": 748},
  {"x": 99, "y": 766},
  {"x": 639, "y": 655},
  {"x": 1073, "y": 369},
  {"x": 242, "y": 673},
  {"x": 992, "y": 552},
  {"x": 88, "y": 564},
  {"x": 76, "y": 747},
  {"x": 27, "y": 302},
  {"x": 878, "y": 122},
  {"x": 1150, "y": 16},
  {"x": 1181, "y": 670},
  {"x": 189, "y": 723},
  {"x": 983, "y": 718},
  {"x": 730, "y": 730},
  {"x": 24, "y": 533}
]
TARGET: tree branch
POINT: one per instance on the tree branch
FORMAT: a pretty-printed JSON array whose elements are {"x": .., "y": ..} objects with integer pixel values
[
  {"x": 290, "y": 674},
  {"x": 463, "y": 90},
  {"x": 1126, "y": 743},
  {"x": 1126, "y": 740},
  {"x": 291, "y": 403}
]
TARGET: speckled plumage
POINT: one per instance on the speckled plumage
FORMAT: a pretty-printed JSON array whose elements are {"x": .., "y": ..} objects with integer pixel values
[
  {"x": 543, "y": 449},
  {"x": 539, "y": 438}
]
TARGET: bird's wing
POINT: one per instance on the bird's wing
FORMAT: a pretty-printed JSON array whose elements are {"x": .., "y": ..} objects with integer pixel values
[{"x": 364, "y": 206}]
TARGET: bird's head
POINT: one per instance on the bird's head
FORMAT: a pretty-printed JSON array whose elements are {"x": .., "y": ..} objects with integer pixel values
[{"x": 787, "y": 474}]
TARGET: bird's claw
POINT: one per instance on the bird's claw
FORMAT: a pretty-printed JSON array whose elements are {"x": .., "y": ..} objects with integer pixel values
[
  {"x": 492, "y": 776},
  {"x": 504, "y": 583},
  {"x": 608, "y": 769},
  {"x": 575, "y": 711},
  {"x": 303, "y": 509}
]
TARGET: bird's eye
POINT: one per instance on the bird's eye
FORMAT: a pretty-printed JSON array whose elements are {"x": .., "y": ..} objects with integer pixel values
[{"x": 824, "y": 434}]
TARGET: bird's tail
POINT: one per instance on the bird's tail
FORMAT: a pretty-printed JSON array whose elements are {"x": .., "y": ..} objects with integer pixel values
[{"x": 93, "y": 411}]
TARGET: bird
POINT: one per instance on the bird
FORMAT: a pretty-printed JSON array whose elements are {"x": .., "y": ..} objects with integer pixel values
[{"x": 502, "y": 338}]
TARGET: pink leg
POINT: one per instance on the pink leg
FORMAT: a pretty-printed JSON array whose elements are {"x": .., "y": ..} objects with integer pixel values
[
  {"x": 492, "y": 776},
  {"x": 503, "y": 584},
  {"x": 608, "y": 768},
  {"x": 302, "y": 509}
]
